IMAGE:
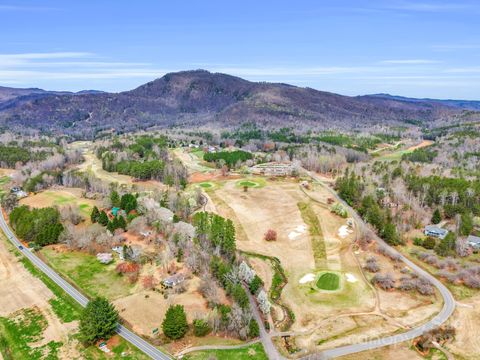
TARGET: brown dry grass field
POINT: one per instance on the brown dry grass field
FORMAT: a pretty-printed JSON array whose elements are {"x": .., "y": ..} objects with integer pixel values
[
  {"x": 324, "y": 319},
  {"x": 466, "y": 320},
  {"x": 400, "y": 351},
  {"x": 144, "y": 310}
]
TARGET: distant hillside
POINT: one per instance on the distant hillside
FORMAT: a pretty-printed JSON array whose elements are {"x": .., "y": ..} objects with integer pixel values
[
  {"x": 460, "y": 104},
  {"x": 196, "y": 98}
]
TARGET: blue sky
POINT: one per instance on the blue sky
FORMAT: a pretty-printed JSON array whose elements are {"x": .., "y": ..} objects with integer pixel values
[{"x": 412, "y": 48}]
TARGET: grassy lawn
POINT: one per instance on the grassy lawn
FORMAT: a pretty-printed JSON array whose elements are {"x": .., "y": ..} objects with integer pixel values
[
  {"x": 328, "y": 281},
  {"x": 252, "y": 182},
  {"x": 92, "y": 277},
  {"x": 22, "y": 328},
  {"x": 254, "y": 351},
  {"x": 129, "y": 352},
  {"x": 318, "y": 243},
  {"x": 198, "y": 153},
  {"x": 248, "y": 183}
]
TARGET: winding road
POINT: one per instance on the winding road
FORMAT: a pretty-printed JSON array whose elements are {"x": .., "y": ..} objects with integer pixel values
[
  {"x": 134, "y": 339},
  {"x": 440, "y": 318}
]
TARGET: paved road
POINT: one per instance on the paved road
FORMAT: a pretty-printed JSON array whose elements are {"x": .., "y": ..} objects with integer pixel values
[
  {"x": 134, "y": 339},
  {"x": 265, "y": 337},
  {"x": 440, "y": 318}
]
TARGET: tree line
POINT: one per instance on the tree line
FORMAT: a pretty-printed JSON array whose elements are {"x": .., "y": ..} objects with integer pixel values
[{"x": 41, "y": 226}]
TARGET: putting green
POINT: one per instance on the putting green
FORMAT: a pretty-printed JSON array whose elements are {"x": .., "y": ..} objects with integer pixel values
[
  {"x": 328, "y": 281},
  {"x": 248, "y": 183},
  {"x": 205, "y": 185}
]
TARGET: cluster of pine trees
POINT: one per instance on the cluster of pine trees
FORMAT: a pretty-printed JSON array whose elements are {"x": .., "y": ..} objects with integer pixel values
[
  {"x": 231, "y": 158},
  {"x": 454, "y": 195},
  {"x": 350, "y": 189},
  {"x": 11, "y": 155},
  {"x": 220, "y": 232},
  {"x": 41, "y": 226}
]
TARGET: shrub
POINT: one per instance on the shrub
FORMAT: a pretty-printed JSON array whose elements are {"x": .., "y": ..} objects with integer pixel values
[
  {"x": 255, "y": 284},
  {"x": 372, "y": 265},
  {"x": 385, "y": 282},
  {"x": 175, "y": 325},
  {"x": 472, "y": 282},
  {"x": 418, "y": 241},
  {"x": 201, "y": 327},
  {"x": 429, "y": 243},
  {"x": 424, "y": 286},
  {"x": 127, "y": 268},
  {"x": 253, "y": 329},
  {"x": 271, "y": 235},
  {"x": 407, "y": 283}
]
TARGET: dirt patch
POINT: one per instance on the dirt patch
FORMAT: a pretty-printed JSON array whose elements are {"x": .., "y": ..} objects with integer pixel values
[
  {"x": 214, "y": 175},
  {"x": 423, "y": 144},
  {"x": 18, "y": 288},
  {"x": 400, "y": 351},
  {"x": 466, "y": 320}
]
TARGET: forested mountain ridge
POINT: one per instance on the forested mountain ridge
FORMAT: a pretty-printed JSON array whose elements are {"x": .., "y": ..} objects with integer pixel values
[{"x": 196, "y": 98}]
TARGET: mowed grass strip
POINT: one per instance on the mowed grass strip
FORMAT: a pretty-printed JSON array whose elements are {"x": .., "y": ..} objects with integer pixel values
[
  {"x": 318, "y": 243},
  {"x": 252, "y": 352},
  {"x": 328, "y": 281}
]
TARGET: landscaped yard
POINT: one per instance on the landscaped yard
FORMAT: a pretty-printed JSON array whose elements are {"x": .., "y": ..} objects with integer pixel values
[{"x": 328, "y": 281}]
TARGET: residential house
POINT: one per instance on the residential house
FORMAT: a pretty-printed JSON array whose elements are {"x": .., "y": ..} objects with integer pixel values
[
  {"x": 474, "y": 242},
  {"x": 435, "y": 231},
  {"x": 173, "y": 280},
  {"x": 105, "y": 258}
]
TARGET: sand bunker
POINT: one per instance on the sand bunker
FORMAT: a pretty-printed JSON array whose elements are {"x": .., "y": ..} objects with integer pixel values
[
  {"x": 351, "y": 278},
  {"x": 344, "y": 231},
  {"x": 307, "y": 278},
  {"x": 299, "y": 230}
]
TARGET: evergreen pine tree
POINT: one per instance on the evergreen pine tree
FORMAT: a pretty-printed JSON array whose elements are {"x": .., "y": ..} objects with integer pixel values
[
  {"x": 99, "y": 320},
  {"x": 94, "y": 215},
  {"x": 436, "y": 217},
  {"x": 175, "y": 325},
  {"x": 115, "y": 198},
  {"x": 103, "y": 218}
]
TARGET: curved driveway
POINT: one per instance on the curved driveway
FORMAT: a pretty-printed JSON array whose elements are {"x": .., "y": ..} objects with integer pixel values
[
  {"x": 134, "y": 339},
  {"x": 440, "y": 318}
]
